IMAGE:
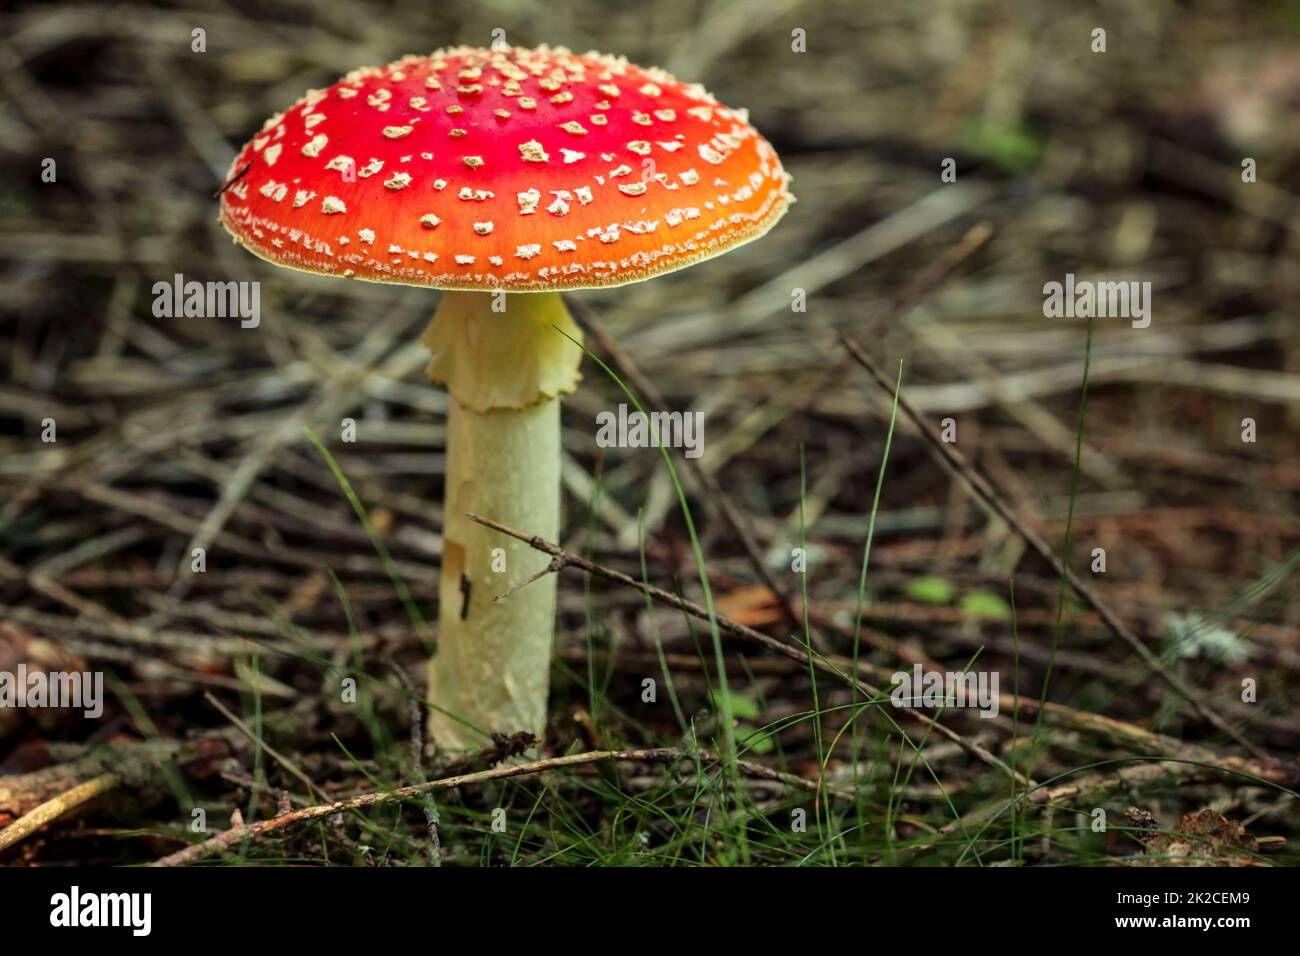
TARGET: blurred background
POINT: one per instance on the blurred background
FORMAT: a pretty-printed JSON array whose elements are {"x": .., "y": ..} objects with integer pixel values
[{"x": 1125, "y": 164}]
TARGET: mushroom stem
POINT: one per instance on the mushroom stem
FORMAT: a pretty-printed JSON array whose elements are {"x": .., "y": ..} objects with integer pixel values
[{"x": 505, "y": 371}]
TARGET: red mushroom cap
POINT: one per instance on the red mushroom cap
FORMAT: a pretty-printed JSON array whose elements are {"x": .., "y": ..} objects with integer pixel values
[{"x": 515, "y": 169}]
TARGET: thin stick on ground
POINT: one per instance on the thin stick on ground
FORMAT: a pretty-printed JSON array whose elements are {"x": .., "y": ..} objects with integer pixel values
[
  {"x": 240, "y": 832},
  {"x": 415, "y": 751},
  {"x": 257, "y": 739},
  {"x": 56, "y": 807},
  {"x": 986, "y": 493}
]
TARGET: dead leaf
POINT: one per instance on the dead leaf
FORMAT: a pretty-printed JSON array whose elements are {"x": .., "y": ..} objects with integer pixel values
[{"x": 1204, "y": 838}]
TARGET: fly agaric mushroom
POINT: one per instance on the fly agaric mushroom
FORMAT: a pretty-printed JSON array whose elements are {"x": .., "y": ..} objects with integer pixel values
[{"x": 502, "y": 171}]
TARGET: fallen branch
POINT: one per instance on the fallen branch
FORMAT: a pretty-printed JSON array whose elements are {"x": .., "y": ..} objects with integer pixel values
[
  {"x": 134, "y": 762},
  {"x": 53, "y": 809},
  {"x": 240, "y": 831}
]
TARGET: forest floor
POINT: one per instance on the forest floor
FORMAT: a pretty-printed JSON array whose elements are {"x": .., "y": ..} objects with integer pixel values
[{"x": 1147, "y": 713}]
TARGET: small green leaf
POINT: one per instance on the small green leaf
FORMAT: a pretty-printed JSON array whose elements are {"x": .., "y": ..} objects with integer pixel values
[
  {"x": 742, "y": 708},
  {"x": 985, "y": 604},
  {"x": 1013, "y": 147},
  {"x": 930, "y": 590}
]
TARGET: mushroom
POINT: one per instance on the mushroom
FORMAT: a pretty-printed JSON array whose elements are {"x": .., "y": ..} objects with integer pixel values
[{"x": 481, "y": 172}]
